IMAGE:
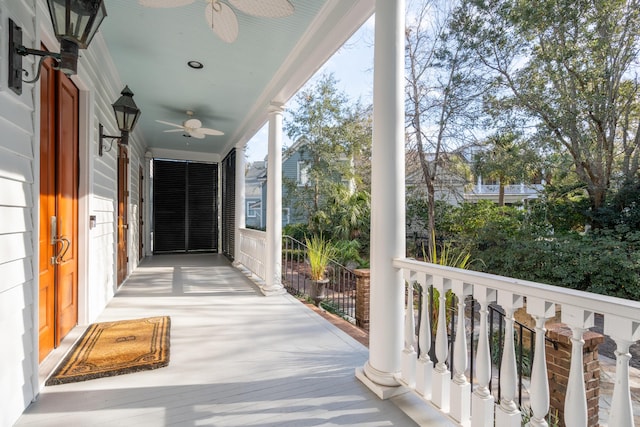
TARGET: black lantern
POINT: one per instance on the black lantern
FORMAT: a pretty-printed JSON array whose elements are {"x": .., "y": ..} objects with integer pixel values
[
  {"x": 75, "y": 22},
  {"x": 127, "y": 114}
]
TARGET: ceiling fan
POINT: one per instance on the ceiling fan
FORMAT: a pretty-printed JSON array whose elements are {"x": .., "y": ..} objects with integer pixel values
[
  {"x": 191, "y": 127},
  {"x": 221, "y": 17}
]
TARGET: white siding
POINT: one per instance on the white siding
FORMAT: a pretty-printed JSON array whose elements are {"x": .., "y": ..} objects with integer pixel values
[
  {"x": 99, "y": 86},
  {"x": 17, "y": 262}
]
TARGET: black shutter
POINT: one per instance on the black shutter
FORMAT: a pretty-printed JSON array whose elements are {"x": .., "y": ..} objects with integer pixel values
[
  {"x": 229, "y": 204},
  {"x": 202, "y": 221},
  {"x": 185, "y": 206},
  {"x": 169, "y": 206}
]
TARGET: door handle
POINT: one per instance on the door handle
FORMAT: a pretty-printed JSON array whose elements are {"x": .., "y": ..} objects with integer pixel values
[{"x": 65, "y": 244}]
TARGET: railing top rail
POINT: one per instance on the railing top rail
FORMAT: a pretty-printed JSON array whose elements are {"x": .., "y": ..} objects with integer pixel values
[
  {"x": 597, "y": 303},
  {"x": 254, "y": 232}
]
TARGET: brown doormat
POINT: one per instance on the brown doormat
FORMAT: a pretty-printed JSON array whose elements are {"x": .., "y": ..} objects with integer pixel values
[{"x": 116, "y": 348}]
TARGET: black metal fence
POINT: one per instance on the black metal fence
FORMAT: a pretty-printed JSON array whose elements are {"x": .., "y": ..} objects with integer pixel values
[{"x": 340, "y": 291}]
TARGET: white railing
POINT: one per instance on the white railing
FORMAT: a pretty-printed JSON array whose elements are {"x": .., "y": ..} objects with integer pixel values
[
  {"x": 525, "y": 189},
  {"x": 253, "y": 249},
  {"x": 454, "y": 396}
]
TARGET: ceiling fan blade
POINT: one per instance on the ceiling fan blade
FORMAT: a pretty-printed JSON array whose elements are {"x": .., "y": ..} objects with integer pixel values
[
  {"x": 208, "y": 131},
  {"x": 169, "y": 124},
  {"x": 164, "y": 3},
  {"x": 264, "y": 8},
  {"x": 174, "y": 130},
  {"x": 196, "y": 134},
  {"x": 192, "y": 124},
  {"x": 222, "y": 21}
]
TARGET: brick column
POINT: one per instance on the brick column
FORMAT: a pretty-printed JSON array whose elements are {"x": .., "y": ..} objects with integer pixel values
[
  {"x": 558, "y": 362},
  {"x": 363, "y": 278}
]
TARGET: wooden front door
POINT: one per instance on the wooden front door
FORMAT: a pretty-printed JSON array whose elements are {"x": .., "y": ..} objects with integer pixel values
[
  {"x": 123, "y": 223},
  {"x": 58, "y": 272},
  {"x": 140, "y": 213}
]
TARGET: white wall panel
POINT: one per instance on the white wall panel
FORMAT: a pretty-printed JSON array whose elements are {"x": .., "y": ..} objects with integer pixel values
[{"x": 100, "y": 86}]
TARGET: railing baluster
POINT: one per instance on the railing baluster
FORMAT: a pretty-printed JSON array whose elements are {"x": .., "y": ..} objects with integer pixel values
[
  {"x": 539, "y": 390},
  {"x": 441, "y": 374},
  {"x": 624, "y": 332},
  {"x": 482, "y": 400},
  {"x": 409, "y": 354},
  {"x": 424, "y": 367},
  {"x": 507, "y": 413},
  {"x": 460, "y": 397},
  {"x": 575, "y": 405}
]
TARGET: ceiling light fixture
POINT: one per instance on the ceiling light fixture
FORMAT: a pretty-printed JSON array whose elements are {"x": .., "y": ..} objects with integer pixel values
[
  {"x": 127, "y": 114},
  {"x": 196, "y": 65},
  {"x": 75, "y": 22}
]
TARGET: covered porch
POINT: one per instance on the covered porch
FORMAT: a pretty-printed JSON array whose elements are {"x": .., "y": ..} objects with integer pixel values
[{"x": 237, "y": 359}]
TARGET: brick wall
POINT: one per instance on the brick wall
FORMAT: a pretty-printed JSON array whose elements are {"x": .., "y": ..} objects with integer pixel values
[
  {"x": 559, "y": 362},
  {"x": 363, "y": 286}
]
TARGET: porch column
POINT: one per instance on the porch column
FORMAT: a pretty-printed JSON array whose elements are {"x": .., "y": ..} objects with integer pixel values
[
  {"x": 273, "y": 268},
  {"x": 240, "y": 200},
  {"x": 387, "y": 203}
]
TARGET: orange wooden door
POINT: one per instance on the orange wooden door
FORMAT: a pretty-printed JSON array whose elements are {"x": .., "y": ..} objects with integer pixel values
[
  {"x": 123, "y": 222},
  {"x": 47, "y": 270},
  {"x": 58, "y": 278},
  {"x": 140, "y": 213},
  {"x": 67, "y": 205}
]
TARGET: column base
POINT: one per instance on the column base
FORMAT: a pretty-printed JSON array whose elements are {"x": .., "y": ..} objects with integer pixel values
[
  {"x": 272, "y": 290},
  {"x": 408, "y": 377},
  {"x": 440, "y": 391},
  {"x": 508, "y": 419},
  {"x": 382, "y": 391},
  {"x": 424, "y": 374},
  {"x": 483, "y": 410},
  {"x": 460, "y": 403}
]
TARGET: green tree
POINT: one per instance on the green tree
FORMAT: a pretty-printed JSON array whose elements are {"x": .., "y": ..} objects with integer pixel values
[
  {"x": 567, "y": 68},
  {"x": 441, "y": 91},
  {"x": 508, "y": 159},
  {"x": 333, "y": 137}
]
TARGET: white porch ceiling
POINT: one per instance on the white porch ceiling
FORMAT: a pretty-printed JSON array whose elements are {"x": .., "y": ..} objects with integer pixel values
[{"x": 270, "y": 60}]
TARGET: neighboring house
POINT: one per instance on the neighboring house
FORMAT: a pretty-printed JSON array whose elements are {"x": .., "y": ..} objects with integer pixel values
[
  {"x": 513, "y": 194},
  {"x": 449, "y": 184},
  {"x": 294, "y": 172},
  {"x": 255, "y": 177}
]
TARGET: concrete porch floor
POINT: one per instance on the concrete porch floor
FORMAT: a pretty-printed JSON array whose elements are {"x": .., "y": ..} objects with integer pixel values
[{"x": 237, "y": 359}]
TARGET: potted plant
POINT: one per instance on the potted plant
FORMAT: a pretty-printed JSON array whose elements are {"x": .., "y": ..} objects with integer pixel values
[{"x": 319, "y": 253}]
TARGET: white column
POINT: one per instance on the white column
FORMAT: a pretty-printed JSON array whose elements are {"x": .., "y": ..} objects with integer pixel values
[
  {"x": 240, "y": 201},
  {"x": 387, "y": 201},
  {"x": 541, "y": 310},
  {"x": 482, "y": 400},
  {"x": 575, "y": 404},
  {"x": 273, "y": 279},
  {"x": 460, "y": 393},
  {"x": 507, "y": 412},
  {"x": 624, "y": 332}
]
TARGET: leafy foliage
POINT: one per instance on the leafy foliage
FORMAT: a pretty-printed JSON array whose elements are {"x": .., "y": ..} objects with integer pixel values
[{"x": 319, "y": 252}]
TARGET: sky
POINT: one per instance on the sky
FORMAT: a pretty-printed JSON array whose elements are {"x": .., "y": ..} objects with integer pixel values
[{"x": 352, "y": 67}]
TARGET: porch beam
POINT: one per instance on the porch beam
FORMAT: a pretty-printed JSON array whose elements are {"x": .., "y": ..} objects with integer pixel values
[{"x": 387, "y": 202}]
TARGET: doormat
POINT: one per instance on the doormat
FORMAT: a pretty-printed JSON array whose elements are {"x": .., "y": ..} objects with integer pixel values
[{"x": 116, "y": 348}]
